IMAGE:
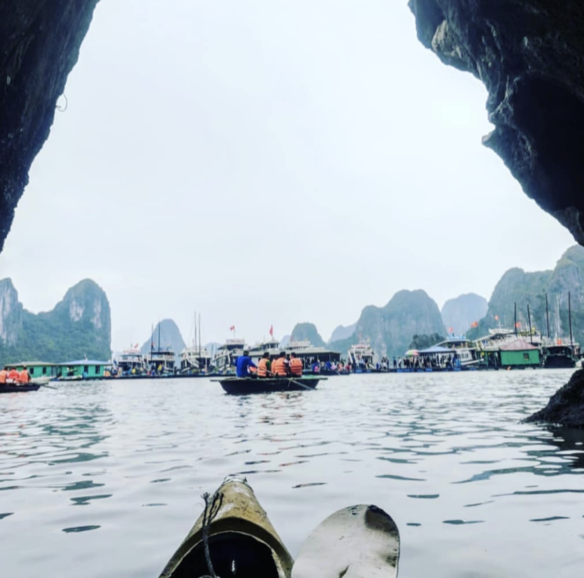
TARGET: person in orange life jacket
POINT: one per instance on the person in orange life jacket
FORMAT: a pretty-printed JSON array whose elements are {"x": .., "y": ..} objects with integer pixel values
[
  {"x": 3, "y": 375},
  {"x": 280, "y": 366},
  {"x": 295, "y": 365},
  {"x": 264, "y": 366},
  {"x": 23, "y": 376},
  {"x": 13, "y": 374}
]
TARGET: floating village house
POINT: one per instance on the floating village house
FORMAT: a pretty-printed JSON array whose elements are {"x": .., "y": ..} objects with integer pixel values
[
  {"x": 519, "y": 353},
  {"x": 38, "y": 368},
  {"x": 83, "y": 368}
]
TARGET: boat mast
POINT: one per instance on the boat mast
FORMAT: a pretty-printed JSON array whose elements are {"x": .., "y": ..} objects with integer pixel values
[
  {"x": 547, "y": 315},
  {"x": 570, "y": 316},
  {"x": 529, "y": 319},
  {"x": 515, "y": 324}
]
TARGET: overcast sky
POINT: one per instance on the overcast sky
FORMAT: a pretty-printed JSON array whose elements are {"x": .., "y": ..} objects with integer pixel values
[{"x": 267, "y": 162}]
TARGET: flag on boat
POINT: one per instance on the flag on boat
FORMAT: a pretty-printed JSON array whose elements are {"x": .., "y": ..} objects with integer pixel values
[
  {"x": 272, "y": 330},
  {"x": 232, "y": 328},
  {"x": 451, "y": 330},
  {"x": 496, "y": 318},
  {"x": 518, "y": 324},
  {"x": 475, "y": 324}
]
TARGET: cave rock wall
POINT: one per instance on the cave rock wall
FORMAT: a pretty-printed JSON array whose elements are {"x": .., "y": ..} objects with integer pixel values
[
  {"x": 530, "y": 56},
  {"x": 39, "y": 45}
]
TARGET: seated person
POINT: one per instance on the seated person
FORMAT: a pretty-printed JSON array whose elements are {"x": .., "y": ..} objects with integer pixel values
[{"x": 243, "y": 364}]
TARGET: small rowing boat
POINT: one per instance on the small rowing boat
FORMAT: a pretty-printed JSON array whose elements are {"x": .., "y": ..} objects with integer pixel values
[
  {"x": 234, "y": 537},
  {"x": 247, "y": 385},
  {"x": 14, "y": 388}
]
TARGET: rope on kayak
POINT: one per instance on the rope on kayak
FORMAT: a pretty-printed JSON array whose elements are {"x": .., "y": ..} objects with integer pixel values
[{"x": 209, "y": 513}]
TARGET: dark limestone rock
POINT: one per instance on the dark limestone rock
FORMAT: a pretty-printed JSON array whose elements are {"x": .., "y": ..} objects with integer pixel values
[
  {"x": 530, "y": 56},
  {"x": 566, "y": 406},
  {"x": 39, "y": 45}
]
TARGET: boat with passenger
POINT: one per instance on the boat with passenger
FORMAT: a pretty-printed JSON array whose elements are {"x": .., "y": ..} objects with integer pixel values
[
  {"x": 161, "y": 361},
  {"x": 249, "y": 385},
  {"x": 130, "y": 362},
  {"x": 560, "y": 353}
]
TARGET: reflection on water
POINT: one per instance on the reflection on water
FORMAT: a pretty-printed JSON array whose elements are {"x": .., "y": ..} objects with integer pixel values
[{"x": 474, "y": 491}]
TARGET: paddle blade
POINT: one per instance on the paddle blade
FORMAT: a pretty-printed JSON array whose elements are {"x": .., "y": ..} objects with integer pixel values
[{"x": 356, "y": 542}]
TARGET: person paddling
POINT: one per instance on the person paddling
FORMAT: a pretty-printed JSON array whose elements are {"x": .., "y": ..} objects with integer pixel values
[{"x": 243, "y": 364}]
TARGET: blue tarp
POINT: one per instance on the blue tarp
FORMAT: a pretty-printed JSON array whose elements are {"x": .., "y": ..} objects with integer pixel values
[{"x": 435, "y": 349}]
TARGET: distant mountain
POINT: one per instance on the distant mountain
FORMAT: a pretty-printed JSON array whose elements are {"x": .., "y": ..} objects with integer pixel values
[
  {"x": 307, "y": 331},
  {"x": 463, "y": 311},
  {"x": 517, "y": 286},
  {"x": 284, "y": 341},
  {"x": 390, "y": 329},
  {"x": 342, "y": 332},
  {"x": 168, "y": 336},
  {"x": 78, "y": 327}
]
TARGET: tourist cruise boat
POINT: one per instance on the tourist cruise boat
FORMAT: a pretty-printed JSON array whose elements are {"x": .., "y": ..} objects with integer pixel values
[
  {"x": 195, "y": 359},
  {"x": 161, "y": 360},
  {"x": 271, "y": 346},
  {"x": 226, "y": 356},
  {"x": 361, "y": 354},
  {"x": 465, "y": 349},
  {"x": 130, "y": 361}
]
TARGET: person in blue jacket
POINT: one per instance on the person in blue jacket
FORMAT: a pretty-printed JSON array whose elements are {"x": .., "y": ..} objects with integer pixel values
[{"x": 243, "y": 364}]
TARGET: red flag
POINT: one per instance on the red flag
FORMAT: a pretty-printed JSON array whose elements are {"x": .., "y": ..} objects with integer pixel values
[
  {"x": 272, "y": 330},
  {"x": 518, "y": 324},
  {"x": 496, "y": 318},
  {"x": 232, "y": 328},
  {"x": 451, "y": 330},
  {"x": 475, "y": 324}
]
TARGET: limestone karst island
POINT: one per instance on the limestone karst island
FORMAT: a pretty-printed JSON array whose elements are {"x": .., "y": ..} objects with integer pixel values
[{"x": 291, "y": 290}]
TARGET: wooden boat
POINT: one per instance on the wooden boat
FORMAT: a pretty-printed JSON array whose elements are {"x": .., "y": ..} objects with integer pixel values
[
  {"x": 234, "y": 537},
  {"x": 247, "y": 385},
  {"x": 241, "y": 540},
  {"x": 13, "y": 388}
]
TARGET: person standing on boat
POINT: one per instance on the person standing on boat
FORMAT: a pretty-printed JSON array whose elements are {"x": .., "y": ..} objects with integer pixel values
[
  {"x": 295, "y": 365},
  {"x": 264, "y": 366},
  {"x": 243, "y": 364},
  {"x": 280, "y": 366}
]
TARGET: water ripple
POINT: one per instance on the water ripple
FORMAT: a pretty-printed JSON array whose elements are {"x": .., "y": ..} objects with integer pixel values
[{"x": 429, "y": 448}]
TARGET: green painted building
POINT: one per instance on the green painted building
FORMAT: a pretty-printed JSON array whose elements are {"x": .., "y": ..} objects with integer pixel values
[
  {"x": 520, "y": 354},
  {"x": 83, "y": 368},
  {"x": 37, "y": 368}
]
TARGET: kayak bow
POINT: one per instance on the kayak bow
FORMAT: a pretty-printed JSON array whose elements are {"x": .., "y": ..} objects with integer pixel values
[{"x": 242, "y": 542}]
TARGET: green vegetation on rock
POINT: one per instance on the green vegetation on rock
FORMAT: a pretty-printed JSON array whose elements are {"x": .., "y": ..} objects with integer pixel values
[
  {"x": 78, "y": 327},
  {"x": 517, "y": 286},
  {"x": 425, "y": 341},
  {"x": 390, "y": 329},
  {"x": 307, "y": 331}
]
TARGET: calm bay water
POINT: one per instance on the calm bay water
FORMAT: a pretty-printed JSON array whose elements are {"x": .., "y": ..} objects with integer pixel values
[{"x": 104, "y": 479}]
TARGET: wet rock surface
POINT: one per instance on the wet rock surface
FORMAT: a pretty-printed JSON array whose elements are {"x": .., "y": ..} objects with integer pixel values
[
  {"x": 530, "y": 56},
  {"x": 39, "y": 45},
  {"x": 566, "y": 406}
]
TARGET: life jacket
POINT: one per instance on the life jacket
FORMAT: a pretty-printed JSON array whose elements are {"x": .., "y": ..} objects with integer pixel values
[
  {"x": 24, "y": 377},
  {"x": 3, "y": 376},
  {"x": 296, "y": 366},
  {"x": 14, "y": 375},
  {"x": 263, "y": 367},
  {"x": 279, "y": 366}
]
